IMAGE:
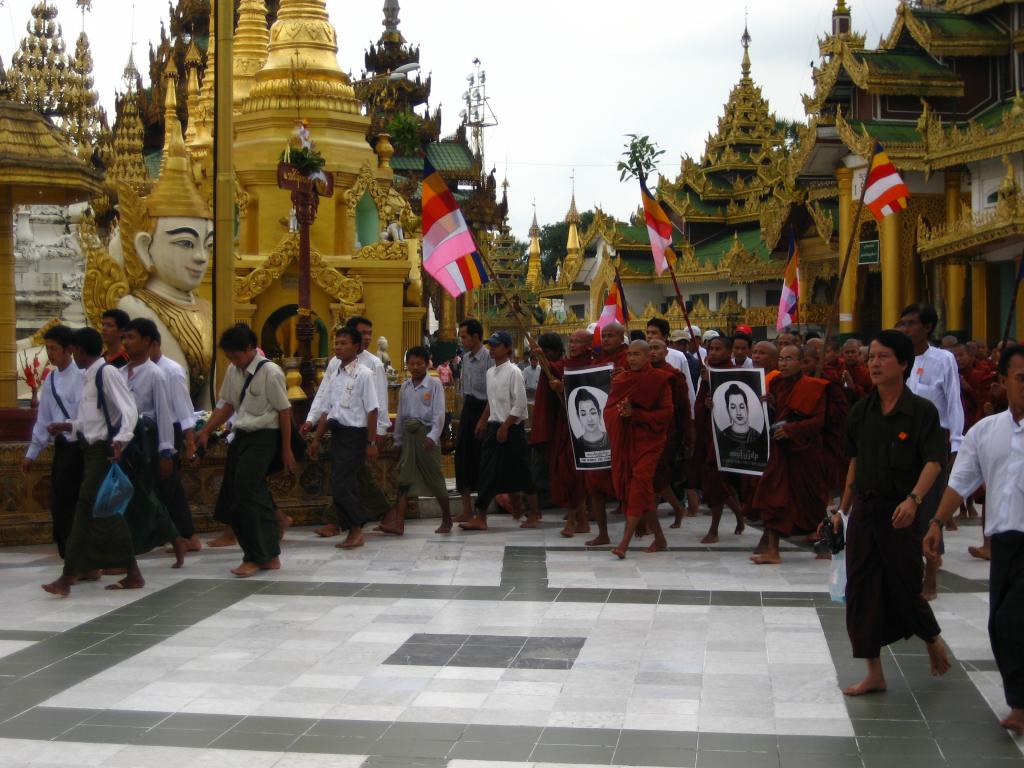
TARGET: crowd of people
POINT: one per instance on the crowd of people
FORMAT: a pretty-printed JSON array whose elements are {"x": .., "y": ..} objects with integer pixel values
[{"x": 886, "y": 439}]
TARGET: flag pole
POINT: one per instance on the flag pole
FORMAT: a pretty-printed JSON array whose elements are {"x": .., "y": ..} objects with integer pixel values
[{"x": 833, "y": 314}]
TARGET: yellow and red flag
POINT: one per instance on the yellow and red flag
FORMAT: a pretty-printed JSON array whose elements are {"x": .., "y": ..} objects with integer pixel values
[
  {"x": 886, "y": 193},
  {"x": 659, "y": 229}
]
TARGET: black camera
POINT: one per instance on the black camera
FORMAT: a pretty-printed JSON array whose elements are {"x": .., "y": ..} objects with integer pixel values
[{"x": 829, "y": 541}]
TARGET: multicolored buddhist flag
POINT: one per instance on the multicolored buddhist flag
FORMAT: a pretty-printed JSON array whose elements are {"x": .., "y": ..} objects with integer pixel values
[
  {"x": 450, "y": 254},
  {"x": 789, "y": 302},
  {"x": 614, "y": 310},
  {"x": 885, "y": 193},
  {"x": 659, "y": 229}
]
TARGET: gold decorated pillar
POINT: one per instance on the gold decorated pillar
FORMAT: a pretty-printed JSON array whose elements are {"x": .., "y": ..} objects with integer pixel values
[
  {"x": 979, "y": 301},
  {"x": 848, "y": 294},
  {"x": 224, "y": 186},
  {"x": 889, "y": 255},
  {"x": 8, "y": 332},
  {"x": 954, "y": 278},
  {"x": 446, "y": 317},
  {"x": 412, "y": 333}
]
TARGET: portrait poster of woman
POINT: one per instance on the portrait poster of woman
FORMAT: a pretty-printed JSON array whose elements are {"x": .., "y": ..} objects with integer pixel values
[
  {"x": 586, "y": 392},
  {"x": 741, "y": 420}
]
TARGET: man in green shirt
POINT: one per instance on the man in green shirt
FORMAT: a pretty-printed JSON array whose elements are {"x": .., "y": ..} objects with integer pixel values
[
  {"x": 896, "y": 448},
  {"x": 254, "y": 392}
]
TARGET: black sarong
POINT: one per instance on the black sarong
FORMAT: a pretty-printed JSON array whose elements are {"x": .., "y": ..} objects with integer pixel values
[
  {"x": 244, "y": 501},
  {"x": 348, "y": 464},
  {"x": 95, "y": 542},
  {"x": 468, "y": 449},
  {"x": 65, "y": 482},
  {"x": 1006, "y": 613},
  {"x": 883, "y": 580},
  {"x": 172, "y": 493},
  {"x": 147, "y": 517},
  {"x": 504, "y": 467}
]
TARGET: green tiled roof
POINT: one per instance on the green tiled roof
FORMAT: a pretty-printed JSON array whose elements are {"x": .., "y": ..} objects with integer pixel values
[
  {"x": 957, "y": 25},
  {"x": 897, "y": 63},
  {"x": 636, "y": 235},
  {"x": 445, "y": 156},
  {"x": 641, "y": 264},
  {"x": 712, "y": 251},
  {"x": 901, "y": 133}
]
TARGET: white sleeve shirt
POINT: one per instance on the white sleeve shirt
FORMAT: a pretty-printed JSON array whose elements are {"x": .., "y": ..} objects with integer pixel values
[
  {"x": 380, "y": 383},
  {"x": 148, "y": 385},
  {"x": 353, "y": 395},
  {"x": 181, "y": 400},
  {"x": 935, "y": 377},
  {"x": 89, "y": 422},
  {"x": 321, "y": 400},
  {"x": 992, "y": 452},
  {"x": 506, "y": 393},
  {"x": 69, "y": 387},
  {"x": 423, "y": 402},
  {"x": 681, "y": 363}
]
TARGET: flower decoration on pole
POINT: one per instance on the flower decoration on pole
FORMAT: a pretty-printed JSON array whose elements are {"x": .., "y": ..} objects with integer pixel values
[{"x": 34, "y": 374}]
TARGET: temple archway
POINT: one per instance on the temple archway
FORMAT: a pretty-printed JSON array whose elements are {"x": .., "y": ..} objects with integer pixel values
[{"x": 278, "y": 336}]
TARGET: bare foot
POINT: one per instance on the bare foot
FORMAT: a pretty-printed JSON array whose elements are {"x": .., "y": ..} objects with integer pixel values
[
  {"x": 245, "y": 569},
  {"x": 658, "y": 545},
  {"x": 444, "y": 527},
  {"x": 395, "y": 529},
  {"x": 711, "y": 538},
  {"x": 869, "y": 684},
  {"x": 128, "y": 582},
  {"x": 1014, "y": 721},
  {"x": 620, "y": 553},
  {"x": 353, "y": 540},
  {"x": 531, "y": 522},
  {"x": 284, "y": 522},
  {"x": 463, "y": 518},
  {"x": 938, "y": 657},
  {"x": 114, "y": 571},
  {"x": 598, "y": 540},
  {"x": 583, "y": 527},
  {"x": 61, "y": 587},
  {"x": 328, "y": 531},
  {"x": 929, "y": 594},
  {"x": 766, "y": 558},
  {"x": 762, "y": 544},
  {"x": 225, "y": 539},
  {"x": 89, "y": 576},
  {"x": 475, "y": 524},
  {"x": 194, "y": 544},
  {"x": 982, "y": 553},
  {"x": 273, "y": 564},
  {"x": 567, "y": 532},
  {"x": 740, "y": 528},
  {"x": 691, "y": 513},
  {"x": 180, "y": 547}
]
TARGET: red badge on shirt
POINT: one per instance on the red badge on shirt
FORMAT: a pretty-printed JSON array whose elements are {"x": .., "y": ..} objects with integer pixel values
[
  {"x": 902, "y": 435},
  {"x": 426, "y": 397}
]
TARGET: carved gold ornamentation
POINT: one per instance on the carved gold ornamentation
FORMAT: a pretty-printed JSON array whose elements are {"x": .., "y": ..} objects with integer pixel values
[
  {"x": 823, "y": 222},
  {"x": 383, "y": 250},
  {"x": 192, "y": 327},
  {"x": 105, "y": 280}
]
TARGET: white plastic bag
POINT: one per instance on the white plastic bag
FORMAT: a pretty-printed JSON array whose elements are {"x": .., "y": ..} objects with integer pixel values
[{"x": 837, "y": 578}]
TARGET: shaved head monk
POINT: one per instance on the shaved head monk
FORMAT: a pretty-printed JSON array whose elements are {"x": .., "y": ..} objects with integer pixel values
[
  {"x": 599, "y": 482},
  {"x": 790, "y": 498},
  {"x": 638, "y": 415},
  {"x": 680, "y": 433},
  {"x": 566, "y": 483}
]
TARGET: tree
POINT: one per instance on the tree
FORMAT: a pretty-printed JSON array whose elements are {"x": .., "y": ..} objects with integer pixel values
[{"x": 552, "y": 243}]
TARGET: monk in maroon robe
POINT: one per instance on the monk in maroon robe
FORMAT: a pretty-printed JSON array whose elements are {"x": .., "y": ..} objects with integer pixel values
[
  {"x": 717, "y": 488},
  {"x": 856, "y": 379},
  {"x": 638, "y": 415},
  {"x": 599, "y": 483},
  {"x": 680, "y": 435},
  {"x": 791, "y": 497},
  {"x": 566, "y": 483},
  {"x": 837, "y": 406}
]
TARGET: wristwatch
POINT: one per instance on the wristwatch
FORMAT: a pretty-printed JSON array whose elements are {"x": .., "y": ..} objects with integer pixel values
[
  {"x": 936, "y": 521},
  {"x": 915, "y": 498}
]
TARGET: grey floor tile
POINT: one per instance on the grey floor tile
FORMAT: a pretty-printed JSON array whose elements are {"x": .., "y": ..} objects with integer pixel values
[
  {"x": 491, "y": 750},
  {"x": 894, "y": 728},
  {"x": 807, "y": 760},
  {"x": 430, "y": 731},
  {"x": 923, "y": 747},
  {"x": 655, "y": 756},
  {"x": 523, "y": 734},
  {"x": 412, "y": 748},
  {"x": 600, "y": 737},
  {"x": 177, "y": 737},
  {"x": 272, "y": 725},
  {"x": 104, "y": 734},
  {"x": 127, "y": 717},
  {"x": 328, "y": 745},
  {"x": 718, "y": 759},
  {"x": 362, "y": 729},
  {"x": 267, "y": 742},
  {"x": 817, "y": 745},
  {"x": 738, "y": 742},
  {"x": 563, "y": 753}
]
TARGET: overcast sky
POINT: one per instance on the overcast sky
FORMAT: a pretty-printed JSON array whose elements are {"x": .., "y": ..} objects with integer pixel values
[{"x": 566, "y": 78}]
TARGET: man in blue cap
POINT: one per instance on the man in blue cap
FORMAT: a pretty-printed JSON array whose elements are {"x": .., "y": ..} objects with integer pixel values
[{"x": 504, "y": 460}]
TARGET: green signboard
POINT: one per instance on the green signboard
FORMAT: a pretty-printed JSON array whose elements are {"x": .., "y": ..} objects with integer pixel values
[{"x": 868, "y": 252}]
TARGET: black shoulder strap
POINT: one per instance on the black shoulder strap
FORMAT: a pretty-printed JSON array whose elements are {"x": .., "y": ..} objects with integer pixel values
[
  {"x": 248, "y": 381},
  {"x": 101, "y": 400},
  {"x": 56, "y": 397}
]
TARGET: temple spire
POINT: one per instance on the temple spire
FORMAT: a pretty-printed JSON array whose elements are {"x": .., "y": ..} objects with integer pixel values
[
  {"x": 745, "y": 41},
  {"x": 390, "y": 23},
  {"x": 533, "y": 261},
  {"x": 127, "y": 166},
  {"x": 250, "y": 47},
  {"x": 841, "y": 20}
]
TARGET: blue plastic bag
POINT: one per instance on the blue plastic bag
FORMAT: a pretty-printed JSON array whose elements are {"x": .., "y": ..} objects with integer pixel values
[
  {"x": 114, "y": 494},
  {"x": 837, "y": 578}
]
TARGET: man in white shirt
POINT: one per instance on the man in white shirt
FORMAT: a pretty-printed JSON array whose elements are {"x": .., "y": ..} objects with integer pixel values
[
  {"x": 992, "y": 453},
  {"x": 742, "y": 345},
  {"x": 473, "y": 369},
  {"x": 171, "y": 490},
  {"x": 349, "y": 410},
  {"x": 147, "y": 515},
  {"x": 504, "y": 460},
  {"x": 58, "y": 401},
  {"x": 104, "y": 426},
  {"x": 531, "y": 377},
  {"x": 935, "y": 377},
  {"x": 418, "y": 428},
  {"x": 254, "y": 396}
]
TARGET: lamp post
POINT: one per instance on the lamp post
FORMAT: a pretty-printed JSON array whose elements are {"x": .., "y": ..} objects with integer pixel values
[{"x": 306, "y": 189}]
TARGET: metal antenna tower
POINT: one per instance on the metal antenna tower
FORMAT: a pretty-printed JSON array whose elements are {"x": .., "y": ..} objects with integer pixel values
[{"x": 477, "y": 114}]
